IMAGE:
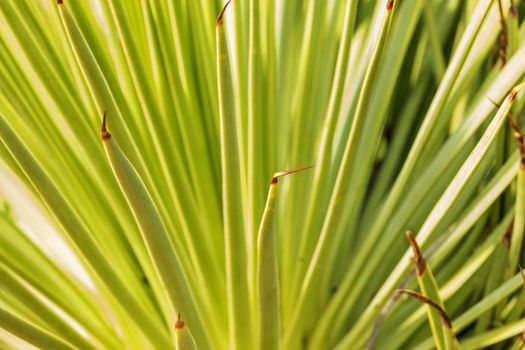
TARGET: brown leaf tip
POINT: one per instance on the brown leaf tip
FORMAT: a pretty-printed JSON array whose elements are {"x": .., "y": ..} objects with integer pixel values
[
  {"x": 276, "y": 176},
  {"x": 103, "y": 131},
  {"x": 180, "y": 323},
  {"x": 442, "y": 313},
  {"x": 421, "y": 263},
  {"x": 512, "y": 94},
  {"x": 219, "y": 20},
  {"x": 60, "y": 2},
  {"x": 390, "y": 5}
]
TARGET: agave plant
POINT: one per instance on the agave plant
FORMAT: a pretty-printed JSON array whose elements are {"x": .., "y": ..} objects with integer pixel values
[{"x": 199, "y": 174}]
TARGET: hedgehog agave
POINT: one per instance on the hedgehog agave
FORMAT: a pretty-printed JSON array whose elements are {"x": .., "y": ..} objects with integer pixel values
[{"x": 245, "y": 175}]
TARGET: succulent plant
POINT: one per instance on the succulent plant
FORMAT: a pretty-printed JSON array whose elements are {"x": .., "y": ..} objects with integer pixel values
[{"x": 241, "y": 175}]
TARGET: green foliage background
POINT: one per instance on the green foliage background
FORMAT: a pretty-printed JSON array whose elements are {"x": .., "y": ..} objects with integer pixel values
[{"x": 183, "y": 211}]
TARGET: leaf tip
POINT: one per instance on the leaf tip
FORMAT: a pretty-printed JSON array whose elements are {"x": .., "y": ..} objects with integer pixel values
[
  {"x": 180, "y": 323},
  {"x": 421, "y": 264},
  {"x": 60, "y": 2},
  {"x": 219, "y": 20},
  {"x": 442, "y": 313},
  {"x": 103, "y": 131},
  {"x": 276, "y": 176},
  {"x": 514, "y": 91},
  {"x": 390, "y": 5}
]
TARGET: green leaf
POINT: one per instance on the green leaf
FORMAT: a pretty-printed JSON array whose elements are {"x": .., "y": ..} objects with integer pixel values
[{"x": 234, "y": 227}]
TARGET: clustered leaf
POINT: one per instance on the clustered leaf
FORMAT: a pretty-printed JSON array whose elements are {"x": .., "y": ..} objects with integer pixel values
[{"x": 409, "y": 112}]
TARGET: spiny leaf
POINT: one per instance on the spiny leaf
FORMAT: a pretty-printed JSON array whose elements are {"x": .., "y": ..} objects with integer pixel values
[
  {"x": 268, "y": 296},
  {"x": 160, "y": 247},
  {"x": 183, "y": 338},
  {"x": 78, "y": 234},
  {"x": 429, "y": 288},
  {"x": 234, "y": 226},
  {"x": 450, "y": 341}
]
